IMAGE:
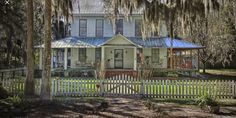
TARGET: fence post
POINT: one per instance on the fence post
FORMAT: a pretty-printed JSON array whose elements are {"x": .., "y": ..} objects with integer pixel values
[
  {"x": 2, "y": 75},
  {"x": 52, "y": 87},
  {"x": 101, "y": 87},
  {"x": 13, "y": 74},
  {"x": 234, "y": 89},
  {"x": 142, "y": 88}
]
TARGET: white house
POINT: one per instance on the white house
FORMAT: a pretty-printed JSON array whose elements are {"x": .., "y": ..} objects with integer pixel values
[{"x": 93, "y": 40}]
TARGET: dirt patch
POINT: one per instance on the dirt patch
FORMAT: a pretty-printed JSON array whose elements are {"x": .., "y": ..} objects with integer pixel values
[
  {"x": 125, "y": 107},
  {"x": 120, "y": 108},
  {"x": 173, "y": 110}
]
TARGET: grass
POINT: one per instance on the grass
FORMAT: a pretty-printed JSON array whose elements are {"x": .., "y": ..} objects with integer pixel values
[
  {"x": 220, "y": 74},
  {"x": 229, "y": 72}
]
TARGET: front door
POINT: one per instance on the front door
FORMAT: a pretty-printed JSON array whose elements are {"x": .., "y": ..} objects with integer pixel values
[{"x": 118, "y": 58}]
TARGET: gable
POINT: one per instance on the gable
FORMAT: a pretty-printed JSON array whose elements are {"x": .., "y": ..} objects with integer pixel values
[{"x": 120, "y": 40}]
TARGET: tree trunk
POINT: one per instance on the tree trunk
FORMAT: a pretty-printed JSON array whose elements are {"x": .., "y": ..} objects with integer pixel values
[
  {"x": 9, "y": 45},
  {"x": 171, "y": 48},
  {"x": 204, "y": 67},
  {"x": 234, "y": 12},
  {"x": 45, "y": 87},
  {"x": 29, "y": 83}
]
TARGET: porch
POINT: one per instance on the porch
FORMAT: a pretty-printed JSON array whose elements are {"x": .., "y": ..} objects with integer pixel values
[
  {"x": 119, "y": 54},
  {"x": 114, "y": 72},
  {"x": 119, "y": 58}
]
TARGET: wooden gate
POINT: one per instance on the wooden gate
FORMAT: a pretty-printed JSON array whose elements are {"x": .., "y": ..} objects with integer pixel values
[{"x": 120, "y": 85}]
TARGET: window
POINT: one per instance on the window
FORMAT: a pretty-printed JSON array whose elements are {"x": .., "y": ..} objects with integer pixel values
[
  {"x": 69, "y": 57},
  {"x": 97, "y": 55},
  {"x": 82, "y": 55},
  {"x": 139, "y": 55},
  {"x": 83, "y": 27},
  {"x": 138, "y": 27},
  {"x": 154, "y": 34},
  {"x": 99, "y": 28},
  {"x": 119, "y": 26},
  {"x": 155, "y": 55}
]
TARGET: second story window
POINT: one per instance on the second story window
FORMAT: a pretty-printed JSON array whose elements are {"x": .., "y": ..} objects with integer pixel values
[
  {"x": 154, "y": 34},
  {"x": 138, "y": 27},
  {"x": 83, "y": 27},
  {"x": 99, "y": 28},
  {"x": 119, "y": 26}
]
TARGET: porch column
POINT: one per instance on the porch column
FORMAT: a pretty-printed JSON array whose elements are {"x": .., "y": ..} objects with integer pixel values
[
  {"x": 40, "y": 58},
  {"x": 65, "y": 58},
  {"x": 198, "y": 64},
  {"x": 135, "y": 58},
  {"x": 52, "y": 55},
  {"x": 103, "y": 58}
]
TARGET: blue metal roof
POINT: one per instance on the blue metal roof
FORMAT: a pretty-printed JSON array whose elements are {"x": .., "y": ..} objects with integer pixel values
[
  {"x": 83, "y": 42},
  {"x": 93, "y": 40},
  {"x": 69, "y": 42},
  {"x": 164, "y": 42},
  {"x": 177, "y": 43},
  {"x": 149, "y": 42}
]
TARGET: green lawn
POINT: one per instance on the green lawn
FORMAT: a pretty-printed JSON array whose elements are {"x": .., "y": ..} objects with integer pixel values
[
  {"x": 229, "y": 72},
  {"x": 222, "y": 74}
]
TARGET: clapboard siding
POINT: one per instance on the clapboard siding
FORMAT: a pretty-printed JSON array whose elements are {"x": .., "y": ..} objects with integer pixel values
[{"x": 128, "y": 26}]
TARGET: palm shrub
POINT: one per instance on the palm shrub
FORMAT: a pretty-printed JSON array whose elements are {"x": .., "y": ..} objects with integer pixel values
[{"x": 208, "y": 102}]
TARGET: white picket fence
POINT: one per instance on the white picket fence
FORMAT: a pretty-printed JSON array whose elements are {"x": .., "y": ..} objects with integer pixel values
[
  {"x": 16, "y": 86},
  {"x": 126, "y": 85}
]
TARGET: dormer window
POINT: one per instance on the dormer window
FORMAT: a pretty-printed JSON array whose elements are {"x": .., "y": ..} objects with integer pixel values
[
  {"x": 119, "y": 26},
  {"x": 99, "y": 27},
  {"x": 82, "y": 27}
]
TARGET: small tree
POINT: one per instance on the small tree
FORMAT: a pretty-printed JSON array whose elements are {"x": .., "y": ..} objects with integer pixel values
[
  {"x": 145, "y": 69},
  {"x": 217, "y": 36}
]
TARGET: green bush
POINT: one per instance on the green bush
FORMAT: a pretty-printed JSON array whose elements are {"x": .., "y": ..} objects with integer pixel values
[
  {"x": 15, "y": 100},
  {"x": 159, "y": 73},
  {"x": 206, "y": 100}
]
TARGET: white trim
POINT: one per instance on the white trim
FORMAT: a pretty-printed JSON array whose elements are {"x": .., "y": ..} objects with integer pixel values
[
  {"x": 40, "y": 58},
  {"x": 102, "y": 58},
  {"x": 65, "y": 58},
  {"x": 119, "y": 35},
  {"x": 108, "y": 46},
  {"x": 135, "y": 58}
]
